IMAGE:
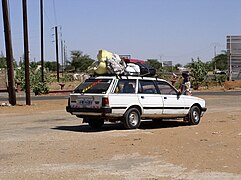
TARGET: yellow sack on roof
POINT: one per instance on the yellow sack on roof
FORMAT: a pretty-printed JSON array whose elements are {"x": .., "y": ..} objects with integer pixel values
[
  {"x": 100, "y": 67},
  {"x": 108, "y": 63},
  {"x": 103, "y": 55}
]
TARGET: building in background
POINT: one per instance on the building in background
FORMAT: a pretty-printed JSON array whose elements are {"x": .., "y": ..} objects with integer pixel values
[
  {"x": 234, "y": 57},
  {"x": 167, "y": 64}
]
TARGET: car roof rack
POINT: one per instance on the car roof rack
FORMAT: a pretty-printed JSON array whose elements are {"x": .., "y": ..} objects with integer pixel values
[{"x": 148, "y": 74}]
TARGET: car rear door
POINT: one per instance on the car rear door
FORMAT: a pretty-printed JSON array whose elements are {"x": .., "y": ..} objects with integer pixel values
[
  {"x": 123, "y": 96},
  {"x": 149, "y": 97}
]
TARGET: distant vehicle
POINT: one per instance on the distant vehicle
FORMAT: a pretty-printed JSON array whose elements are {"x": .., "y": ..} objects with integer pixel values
[
  {"x": 183, "y": 69},
  {"x": 217, "y": 71},
  {"x": 130, "y": 99}
]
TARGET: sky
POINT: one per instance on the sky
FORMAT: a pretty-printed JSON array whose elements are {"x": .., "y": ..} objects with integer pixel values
[{"x": 167, "y": 30}]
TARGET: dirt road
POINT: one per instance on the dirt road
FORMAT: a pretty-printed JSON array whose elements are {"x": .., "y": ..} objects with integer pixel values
[{"x": 42, "y": 141}]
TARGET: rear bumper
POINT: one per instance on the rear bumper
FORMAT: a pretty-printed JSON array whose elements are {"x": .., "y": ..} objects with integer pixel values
[{"x": 88, "y": 110}]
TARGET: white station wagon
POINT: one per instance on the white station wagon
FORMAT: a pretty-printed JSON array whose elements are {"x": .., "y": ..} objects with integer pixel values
[{"x": 130, "y": 99}]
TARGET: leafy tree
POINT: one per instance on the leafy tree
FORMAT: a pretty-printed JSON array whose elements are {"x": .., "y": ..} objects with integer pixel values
[
  {"x": 209, "y": 66},
  {"x": 51, "y": 65},
  {"x": 198, "y": 72},
  {"x": 79, "y": 61},
  {"x": 154, "y": 63},
  {"x": 220, "y": 78},
  {"x": 167, "y": 69},
  {"x": 177, "y": 66},
  {"x": 36, "y": 85},
  {"x": 220, "y": 61},
  {"x": 3, "y": 62},
  {"x": 34, "y": 65},
  {"x": 20, "y": 76}
]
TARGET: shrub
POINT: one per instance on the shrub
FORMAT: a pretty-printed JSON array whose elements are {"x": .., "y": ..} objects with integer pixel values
[
  {"x": 198, "y": 72},
  {"x": 36, "y": 84}
]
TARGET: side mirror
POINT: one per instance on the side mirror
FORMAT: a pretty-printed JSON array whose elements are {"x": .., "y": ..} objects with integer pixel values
[{"x": 179, "y": 93}]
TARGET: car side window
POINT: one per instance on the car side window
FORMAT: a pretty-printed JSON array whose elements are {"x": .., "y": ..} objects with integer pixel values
[
  {"x": 166, "y": 88},
  {"x": 126, "y": 86},
  {"x": 146, "y": 87}
]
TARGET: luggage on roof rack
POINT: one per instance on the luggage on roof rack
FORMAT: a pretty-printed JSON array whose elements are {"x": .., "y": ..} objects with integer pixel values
[
  {"x": 133, "y": 60},
  {"x": 146, "y": 69},
  {"x": 112, "y": 64}
]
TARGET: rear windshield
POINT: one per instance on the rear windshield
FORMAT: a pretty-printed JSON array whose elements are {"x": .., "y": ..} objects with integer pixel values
[{"x": 94, "y": 86}]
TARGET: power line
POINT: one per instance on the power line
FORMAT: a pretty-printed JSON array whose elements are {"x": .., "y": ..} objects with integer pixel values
[
  {"x": 51, "y": 24},
  {"x": 55, "y": 17}
]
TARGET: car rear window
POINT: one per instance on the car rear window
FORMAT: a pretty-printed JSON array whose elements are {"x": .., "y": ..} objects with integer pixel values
[{"x": 94, "y": 86}]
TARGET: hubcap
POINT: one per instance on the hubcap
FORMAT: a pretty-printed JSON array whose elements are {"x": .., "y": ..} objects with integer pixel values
[
  {"x": 133, "y": 118},
  {"x": 195, "y": 116}
]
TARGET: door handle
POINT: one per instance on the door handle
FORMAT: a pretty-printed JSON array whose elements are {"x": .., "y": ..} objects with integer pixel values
[
  {"x": 165, "y": 97},
  {"x": 142, "y": 97}
]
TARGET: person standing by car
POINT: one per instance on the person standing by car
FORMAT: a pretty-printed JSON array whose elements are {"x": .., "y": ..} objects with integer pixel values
[{"x": 186, "y": 84}]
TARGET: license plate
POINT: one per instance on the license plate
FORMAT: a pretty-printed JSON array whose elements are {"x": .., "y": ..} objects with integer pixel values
[{"x": 86, "y": 102}]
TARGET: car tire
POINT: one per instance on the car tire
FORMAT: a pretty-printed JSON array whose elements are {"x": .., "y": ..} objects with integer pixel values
[
  {"x": 96, "y": 123},
  {"x": 194, "y": 116},
  {"x": 132, "y": 118}
]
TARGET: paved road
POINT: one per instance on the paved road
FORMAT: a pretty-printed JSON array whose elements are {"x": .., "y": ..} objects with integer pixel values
[
  {"x": 21, "y": 96},
  {"x": 37, "y": 98},
  {"x": 228, "y": 93}
]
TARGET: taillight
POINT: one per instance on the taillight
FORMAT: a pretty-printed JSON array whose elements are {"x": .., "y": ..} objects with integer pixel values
[{"x": 105, "y": 101}]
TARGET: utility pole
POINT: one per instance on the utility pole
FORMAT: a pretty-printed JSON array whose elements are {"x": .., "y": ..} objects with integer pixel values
[
  {"x": 42, "y": 40},
  {"x": 230, "y": 60},
  {"x": 57, "y": 51},
  {"x": 215, "y": 54},
  {"x": 9, "y": 53},
  {"x": 26, "y": 52},
  {"x": 62, "y": 51},
  {"x": 62, "y": 56}
]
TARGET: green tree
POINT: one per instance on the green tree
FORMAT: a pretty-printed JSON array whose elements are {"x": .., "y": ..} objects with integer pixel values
[
  {"x": 199, "y": 72},
  {"x": 3, "y": 62},
  {"x": 51, "y": 65},
  {"x": 177, "y": 66},
  {"x": 154, "y": 63},
  {"x": 37, "y": 86},
  {"x": 79, "y": 61},
  {"x": 34, "y": 65},
  {"x": 220, "y": 62},
  {"x": 209, "y": 66}
]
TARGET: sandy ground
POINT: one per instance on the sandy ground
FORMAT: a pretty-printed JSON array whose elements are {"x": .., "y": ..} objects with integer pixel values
[{"x": 42, "y": 141}]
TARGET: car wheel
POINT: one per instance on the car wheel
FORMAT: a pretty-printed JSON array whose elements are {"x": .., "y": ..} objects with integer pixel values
[
  {"x": 194, "y": 115},
  {"x": 96, "y": 123},
  {"x": 132, "y": 118}
]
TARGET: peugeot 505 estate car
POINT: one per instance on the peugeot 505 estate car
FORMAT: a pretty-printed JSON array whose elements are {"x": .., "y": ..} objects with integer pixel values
[{"x": 131, "y": 99}]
